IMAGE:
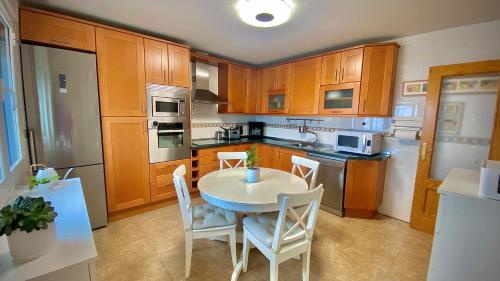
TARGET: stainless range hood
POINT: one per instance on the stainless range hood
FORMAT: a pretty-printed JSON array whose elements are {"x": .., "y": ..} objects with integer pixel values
[{"x": 201, "y": 84}]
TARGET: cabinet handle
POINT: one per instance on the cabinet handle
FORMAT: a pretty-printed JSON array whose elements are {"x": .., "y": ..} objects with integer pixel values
[
  {"x": 59, "y": 40},
  {"x": 165, "y": 76},
  {"x": 423, "y": 151},
  {"x": 342, "y": 74},
  {"x": 364, "y": 104},
  {"x": 143, "y": 107},
  {"x": 145, "y": 127},
  {"x": 336, "y": 74},
  {"x": 171, "y": 78}
]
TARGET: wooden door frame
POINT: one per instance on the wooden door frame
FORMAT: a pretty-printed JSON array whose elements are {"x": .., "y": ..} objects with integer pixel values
[{"x": 436, "y": 76}]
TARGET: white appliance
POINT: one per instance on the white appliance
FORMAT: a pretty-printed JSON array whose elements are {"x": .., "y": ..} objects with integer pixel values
[{"x": 360, "y": 142}]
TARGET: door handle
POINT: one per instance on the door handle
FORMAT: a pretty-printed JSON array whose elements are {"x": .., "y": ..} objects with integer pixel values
[
  {"x": 336, "y": 74},
  {"x": 165, "y": 76},
  {"x": 170, "y": 131},
  {"x": 423, "y": 151}
]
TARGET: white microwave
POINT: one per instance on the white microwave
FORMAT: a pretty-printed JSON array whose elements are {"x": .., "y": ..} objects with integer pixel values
[{"x": 367, "y": 143}]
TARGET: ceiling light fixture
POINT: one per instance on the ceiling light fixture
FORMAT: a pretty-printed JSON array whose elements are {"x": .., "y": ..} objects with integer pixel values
[{"x": 265, "y": 13}]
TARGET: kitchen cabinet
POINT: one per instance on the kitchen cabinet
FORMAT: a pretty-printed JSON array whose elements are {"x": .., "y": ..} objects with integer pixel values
[
  {"x": 120, "y": 63},
  {"x": 350, "y": 65},
  {"x": 377, "y": 84},
  {"x": 277, "y": 101},
  {"x": 364, "y": 187},
  {"x": 262, "y": 155},
  {"x": 161, "y": 179},
  {"x": 276, "y": 77},
  {"x": 254, "y": 91},
  {"x": 126, "y": 162},
  {"x": 156, "y": 61},
  {"x": 304, "y": 86},
  {"x": 330, "y": 68},
  {"x": 42, "y": 28},
  {"x": 178, "y": 66},
  {"x": 273, "y": 156},
  {"x": 285, "y": 158},
  {"x": 237, "y": 88},
  {"x": 339, "y": 99}
]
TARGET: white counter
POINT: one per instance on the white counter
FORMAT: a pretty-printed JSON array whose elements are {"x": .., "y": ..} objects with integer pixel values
[{"x": 75, "y": 243}]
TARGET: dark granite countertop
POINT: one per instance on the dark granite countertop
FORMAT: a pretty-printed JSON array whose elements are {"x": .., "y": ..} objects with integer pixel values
[{"x": 322, "y": 149}]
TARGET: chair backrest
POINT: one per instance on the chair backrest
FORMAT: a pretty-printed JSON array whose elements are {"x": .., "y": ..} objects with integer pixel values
[
  {"x": 299, "y": 165},
  {"x": 224, "y": 158},
  {"x": 183, "y": 196},
  {"x": 303, "y": 226}
]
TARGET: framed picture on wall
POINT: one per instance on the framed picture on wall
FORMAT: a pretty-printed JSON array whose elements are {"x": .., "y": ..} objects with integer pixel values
[{"x": 414, "y": 88}]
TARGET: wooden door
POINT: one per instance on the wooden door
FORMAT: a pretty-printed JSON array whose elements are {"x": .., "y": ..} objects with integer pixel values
[
  {"x": 445, "y": 119},
  {"x": 304, "y": 86},
  {"x": 126, "y": 162},
  {"x": 339, "y": 99},
  {"x": 377, "y": 86},
  {"x": 281, "y": 75},
  {"x": 330, "y": 69},
  {"x": 351, "y": 64},
  {"x": 52, "y": 30},
  {"x": 285, "y": 159},
  {"x": 262, "y": 155},
  {"x": 156, "y": 61},
  {"x": 120, "y": 63},
  {"x": 237, "y": 88},
  {"x": 273, "y": 157},
  {"x": 277, "y": 101},
  {"x": 161, "y": 178},
  {"x": 178, "y": 66},
  {"x": 254, "y": 91}
]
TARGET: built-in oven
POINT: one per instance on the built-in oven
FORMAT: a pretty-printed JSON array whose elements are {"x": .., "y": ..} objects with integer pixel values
[{"x": 168, "y": 123}]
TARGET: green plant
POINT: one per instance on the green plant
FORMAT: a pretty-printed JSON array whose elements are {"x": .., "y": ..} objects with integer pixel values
[
  {"x": 34, "y": 182},
  {"x": 26, "y": 214},
  {"x": 252, "y": 157}
]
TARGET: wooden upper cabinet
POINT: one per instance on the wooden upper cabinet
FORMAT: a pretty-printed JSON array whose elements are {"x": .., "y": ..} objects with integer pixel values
[
  {"x": 330, "y": 69},
  {"x": 377, "y": 85},
  {"x": 53, "y": 30},
  {"x": 237, "y": 88},
  {"x": 277, "y": 77},
  {"x": 156, "y": 61},
  {"x": 126, "y": 162},
  {"x": 339, "y": 99},
  {"x": 178, "y": 66},
  {"x": 254, "y": 91},
  {"x": 304, "y": 86},
  {"x": 350, "y": 65},
  {"x": 120, "y": 62}
]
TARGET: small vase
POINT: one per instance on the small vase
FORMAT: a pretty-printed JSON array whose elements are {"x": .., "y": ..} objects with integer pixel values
[
  {"x": 27, "y": 246},
  {"x": 253, "y": 175}
]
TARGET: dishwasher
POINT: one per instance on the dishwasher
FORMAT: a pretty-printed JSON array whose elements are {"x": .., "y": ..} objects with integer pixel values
[{"x": 331, "y": 174}]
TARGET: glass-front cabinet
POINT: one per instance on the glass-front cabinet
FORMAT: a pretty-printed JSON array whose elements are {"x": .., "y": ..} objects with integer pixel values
[
  {"x": 339, "y": 98},
  {"x": 277, "y": 101}
]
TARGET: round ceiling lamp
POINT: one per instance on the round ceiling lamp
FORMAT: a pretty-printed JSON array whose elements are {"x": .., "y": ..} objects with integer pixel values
[{"x": 265, "y": 13}]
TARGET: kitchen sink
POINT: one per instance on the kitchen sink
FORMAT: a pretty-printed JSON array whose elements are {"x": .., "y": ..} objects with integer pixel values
[{"x": 304, "y": 145}]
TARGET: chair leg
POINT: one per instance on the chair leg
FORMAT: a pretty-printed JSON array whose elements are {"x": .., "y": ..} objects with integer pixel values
[
  {"x": 189, "y": 251},
  {"x": 273, "y": 270},
  {"x": 306, "y": 261},
  {"x": 245, "y": 252},
  {"x": 232, "y": 244}
]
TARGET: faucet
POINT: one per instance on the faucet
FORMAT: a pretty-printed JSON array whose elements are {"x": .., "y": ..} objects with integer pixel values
[{"x": 304, "y": 129}]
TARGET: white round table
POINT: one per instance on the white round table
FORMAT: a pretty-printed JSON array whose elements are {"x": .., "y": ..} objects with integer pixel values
[{"x": 228, "y": 189}]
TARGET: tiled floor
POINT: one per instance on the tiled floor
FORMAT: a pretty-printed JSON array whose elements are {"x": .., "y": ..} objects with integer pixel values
[{"x": 150, "y": 247}]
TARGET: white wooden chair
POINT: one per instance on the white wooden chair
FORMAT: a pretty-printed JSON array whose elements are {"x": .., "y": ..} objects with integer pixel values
[
  {"x": 225, "y": 157},
  {"x": 286, "y": 234},
  {"x": 202, "y": 221},
  {"x": 299, "y": 163}
]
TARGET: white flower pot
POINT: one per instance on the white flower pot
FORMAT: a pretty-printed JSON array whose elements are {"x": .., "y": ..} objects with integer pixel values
[
  {"x": 253, "y": 175},
  {"x": 28, "y": 246}
]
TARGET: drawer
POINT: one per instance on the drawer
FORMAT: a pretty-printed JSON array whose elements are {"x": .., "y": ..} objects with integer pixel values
[
  {"x": 209, "y": 159},
  {"x": 213, "y": 151},
  {"x": 52, "y": 30},
  {"x": 161, "y": 179},
  {"x": 207, "y": 168}
]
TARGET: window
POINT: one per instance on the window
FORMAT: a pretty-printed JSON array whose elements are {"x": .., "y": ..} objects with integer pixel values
[{"x": 9, "y": 135}]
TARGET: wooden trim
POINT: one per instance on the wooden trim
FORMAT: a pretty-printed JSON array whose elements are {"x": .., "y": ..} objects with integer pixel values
[
  {"x": 54, "y": 14},
  {"x": 360, "y": 214}
]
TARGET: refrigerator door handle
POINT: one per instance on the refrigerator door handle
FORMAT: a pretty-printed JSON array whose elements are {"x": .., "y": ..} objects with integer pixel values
[{"x": 31, "y": 142}]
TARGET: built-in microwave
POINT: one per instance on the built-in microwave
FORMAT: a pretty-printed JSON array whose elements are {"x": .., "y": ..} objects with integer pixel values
[
  {"x": 167, "y": 101},
  {"x": 360, "y": 142}
]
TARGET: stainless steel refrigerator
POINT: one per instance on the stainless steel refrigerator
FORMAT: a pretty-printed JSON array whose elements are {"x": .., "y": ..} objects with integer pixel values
[{"x": 62, "y": 110}]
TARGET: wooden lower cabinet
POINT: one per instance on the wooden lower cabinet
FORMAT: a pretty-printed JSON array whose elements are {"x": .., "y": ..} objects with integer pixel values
[
  {"x": 126, "y": 162},
  {"x": 364, "y": 188},
  {"x": 161, "y": 179}
]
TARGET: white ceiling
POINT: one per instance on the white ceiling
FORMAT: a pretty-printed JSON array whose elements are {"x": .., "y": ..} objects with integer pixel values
[{"x": 214, "y": 26}]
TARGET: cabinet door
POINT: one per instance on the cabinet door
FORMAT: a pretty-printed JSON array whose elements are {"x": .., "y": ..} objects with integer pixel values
[
  {"x": 377, "y": 86},
  {"x": 52, "y": 30},
  {"x": 161, "y": 178},
  {"x": 351, "y": 64},
  {"x": 285, "y": 162},
  {"x": 339, "y": 99},
  {"x": 330, "y": 69},
  {"x": 273, "y": 157},
  {"x": 277, "y": 101},
  {"x": 178, "y": 66},
  {"x": 267, "y": 80},
  {"x": 304, "y": 86},
  {"x": 254, "y": 91},
  {"x": 237, "y": 88},
  {"x": 281, "y": 76},
  {"x": 156, "y": 61},
  {"x": 126, "y": 162},
  {"x": 120, "y": 62},
  {"x": 262, "y": 155}
]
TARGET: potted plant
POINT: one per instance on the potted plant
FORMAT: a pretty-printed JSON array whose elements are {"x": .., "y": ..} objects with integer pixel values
[
  {"x": 253, "y": 172},
  {"x": 28, "y": 225}
]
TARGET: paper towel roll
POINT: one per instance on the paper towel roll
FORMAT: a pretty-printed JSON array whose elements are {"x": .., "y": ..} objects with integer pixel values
[{"x": 405, "y": 134}]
